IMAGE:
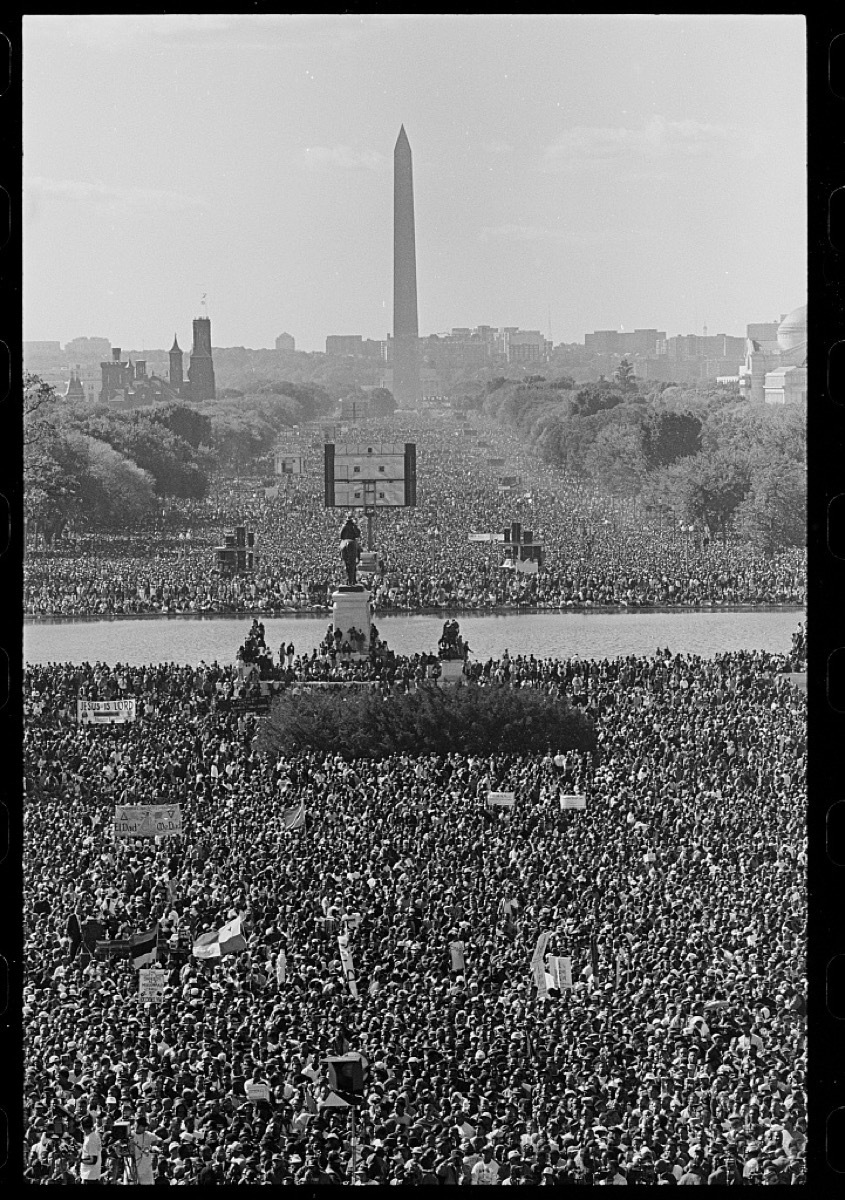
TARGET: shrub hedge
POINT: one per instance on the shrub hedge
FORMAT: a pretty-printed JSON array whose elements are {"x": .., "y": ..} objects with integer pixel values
[{"x": 467, "y": 719}]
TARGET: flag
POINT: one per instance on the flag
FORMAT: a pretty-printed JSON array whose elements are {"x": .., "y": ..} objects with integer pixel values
[
  {"x": 294, "y": 817},
  {"x": 229, "y": 939},
  {"x": 594, "y": 955},
  {"x": 578, "y": 802},
  {"x": 143, "y": 947}
]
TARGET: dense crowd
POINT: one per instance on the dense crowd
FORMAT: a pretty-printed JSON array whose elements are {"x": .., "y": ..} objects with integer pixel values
[
  {"x": 678, "y": 1055},
  {"x": 598, "y": 552}
]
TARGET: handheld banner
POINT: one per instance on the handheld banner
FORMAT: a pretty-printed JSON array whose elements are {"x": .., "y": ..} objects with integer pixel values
[
  {"x": 501, "y": 799},
  {"x": 105, "y": 712},
  {"x": 147, "y": 820}
]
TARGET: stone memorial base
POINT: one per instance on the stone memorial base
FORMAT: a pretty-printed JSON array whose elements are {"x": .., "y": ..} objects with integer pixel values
[
  {"x": 451, "y": 671},
  {"x": 351, "y": 608}
]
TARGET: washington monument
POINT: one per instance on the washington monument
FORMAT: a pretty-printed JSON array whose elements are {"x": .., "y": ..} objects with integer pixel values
[{"x": 406, "y": 354}]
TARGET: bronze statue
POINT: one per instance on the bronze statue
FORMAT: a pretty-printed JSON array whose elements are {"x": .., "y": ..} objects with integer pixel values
[{"x": 350, "y": 548}]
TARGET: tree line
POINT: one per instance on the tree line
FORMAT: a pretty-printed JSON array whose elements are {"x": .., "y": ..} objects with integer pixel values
[
  {"x": 87, "y": 465},
  {"x": 697, "y": 454}
]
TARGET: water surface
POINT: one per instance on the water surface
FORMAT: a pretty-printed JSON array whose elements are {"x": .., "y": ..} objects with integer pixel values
[{"x": 589, "y": 635}]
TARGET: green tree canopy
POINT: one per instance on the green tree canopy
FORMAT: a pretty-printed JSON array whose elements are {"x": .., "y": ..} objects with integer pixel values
[{"x": 468, "y": 719}]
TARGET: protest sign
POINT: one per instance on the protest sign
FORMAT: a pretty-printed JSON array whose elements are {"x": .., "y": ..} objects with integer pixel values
[
  {"x": 147, "y": 820},
  {"x": 456, "y": 950},
  {"x": 501, "y": 799},
  {"x": 540, "y": 947},
  {"x": 575, "y": 801},
  {"x": 105, "y": 712},
  {"x": 257, "y": 1091},
  {"x": 560, "y": 969},
  {"x": 151, "y": 983}
]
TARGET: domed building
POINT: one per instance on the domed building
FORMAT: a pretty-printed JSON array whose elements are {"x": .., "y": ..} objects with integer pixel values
[
  {"x": 778, "y": 376},
  {"x": 792, "y": 331}
]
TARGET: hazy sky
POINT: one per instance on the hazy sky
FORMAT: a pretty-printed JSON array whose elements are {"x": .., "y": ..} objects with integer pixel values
[{"x": 615, "y": 172}]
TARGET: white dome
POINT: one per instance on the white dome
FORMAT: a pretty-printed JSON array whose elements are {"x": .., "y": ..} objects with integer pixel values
[{"x": 792, "y": 331}]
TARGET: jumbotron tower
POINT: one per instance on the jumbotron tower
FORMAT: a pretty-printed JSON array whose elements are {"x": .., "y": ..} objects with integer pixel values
[{"x": 406, "y": 350}]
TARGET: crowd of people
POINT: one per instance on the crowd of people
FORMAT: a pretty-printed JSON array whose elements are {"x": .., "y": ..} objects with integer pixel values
[
  {"x": 597, "y": 551},
  {"x": 678, "y": 893}
]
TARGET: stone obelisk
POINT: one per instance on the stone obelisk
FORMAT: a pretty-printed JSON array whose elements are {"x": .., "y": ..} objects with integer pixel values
[{"x": 406, "y": 351}]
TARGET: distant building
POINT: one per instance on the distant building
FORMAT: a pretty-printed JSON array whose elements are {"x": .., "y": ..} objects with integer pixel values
[
  {"x": 75, "y": 389},
  {"x": 777, "y": 375},
  {"x": 41, "y": 348},
  {"x": 177, "y": 379},
  {"x": 353, "y": 345},
  {"x": 201, "y": 368},
  {"x": 87, "y": 348},
  {"x": 692, "y": 345},
  {"x": 526, "y": 345},
  {"x": 644, "y": 342},
  {"x": 765, "y": 333},
  {"x": 127, "y": 384},
  {"x": 285, "y": 343},
  {"x": 346, "y": 345}
]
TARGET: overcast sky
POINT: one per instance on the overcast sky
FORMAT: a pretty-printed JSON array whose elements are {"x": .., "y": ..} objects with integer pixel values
[{"x": 605, "y": 172}]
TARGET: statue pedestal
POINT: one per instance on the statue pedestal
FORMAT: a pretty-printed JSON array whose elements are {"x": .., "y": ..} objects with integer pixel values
[
  {"x": 451, "y": 671},
  {"x": 351, "y": 607}
]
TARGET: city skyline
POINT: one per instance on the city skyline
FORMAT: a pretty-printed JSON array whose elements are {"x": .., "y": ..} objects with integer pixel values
[{"x": 250, "y": 159}]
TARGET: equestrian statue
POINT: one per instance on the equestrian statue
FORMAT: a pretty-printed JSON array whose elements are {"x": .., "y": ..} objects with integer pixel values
[{"x": 350, "y": 548}]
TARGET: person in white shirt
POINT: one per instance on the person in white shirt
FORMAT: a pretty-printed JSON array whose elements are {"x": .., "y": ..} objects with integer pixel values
[
  {"x": 92, "y": 1153},
  {"x": 486, "y": 1170}
]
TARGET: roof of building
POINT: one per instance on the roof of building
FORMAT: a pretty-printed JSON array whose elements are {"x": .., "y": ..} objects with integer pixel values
[{"x": 792, "y": 331}]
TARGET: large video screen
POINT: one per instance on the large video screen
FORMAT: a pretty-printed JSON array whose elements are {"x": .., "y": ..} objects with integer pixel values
[{"x": 371, "y": 475}]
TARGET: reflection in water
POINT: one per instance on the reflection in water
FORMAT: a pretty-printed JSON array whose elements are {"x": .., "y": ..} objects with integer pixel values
[{"x": 588, "y": 635}]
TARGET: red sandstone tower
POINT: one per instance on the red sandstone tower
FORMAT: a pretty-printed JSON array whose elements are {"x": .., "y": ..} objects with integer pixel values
[{"x": 406, "y": 352}]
